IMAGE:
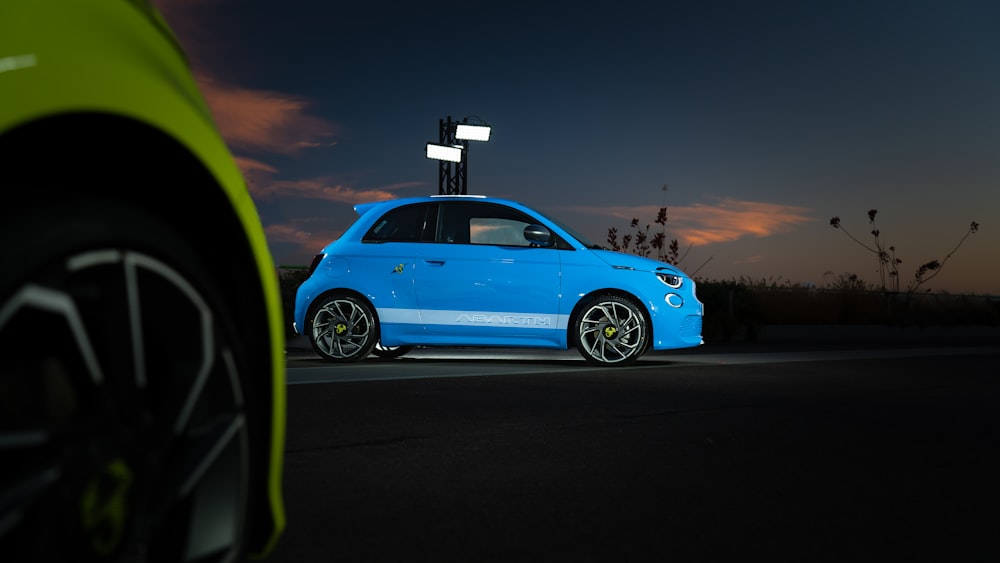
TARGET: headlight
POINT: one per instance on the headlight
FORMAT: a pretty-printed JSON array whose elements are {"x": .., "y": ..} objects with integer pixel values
[{"x": 672, "y": 280}]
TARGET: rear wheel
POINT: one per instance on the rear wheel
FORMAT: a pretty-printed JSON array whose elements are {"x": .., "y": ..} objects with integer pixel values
[
  {"x": 125, "y": 412},
  {"x": 611, "y": 331},
  {"x": 342, "y": 328}
]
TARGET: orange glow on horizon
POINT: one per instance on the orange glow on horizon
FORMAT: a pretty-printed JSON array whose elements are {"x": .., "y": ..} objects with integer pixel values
[{"x": 702, "y": 224}]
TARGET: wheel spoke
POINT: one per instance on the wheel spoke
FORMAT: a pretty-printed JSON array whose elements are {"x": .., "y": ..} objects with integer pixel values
[{"x": 17, "y": 497}]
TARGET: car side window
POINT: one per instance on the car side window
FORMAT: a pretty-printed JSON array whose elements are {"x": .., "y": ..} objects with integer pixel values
[
  {"x": 411, "y": 223},
  {"x": 494, "y": 230},
  {"x": 482, "y": 223}
]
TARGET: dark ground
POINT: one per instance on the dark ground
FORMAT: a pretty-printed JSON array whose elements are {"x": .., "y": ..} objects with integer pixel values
[{"x": 854, "y": 460}]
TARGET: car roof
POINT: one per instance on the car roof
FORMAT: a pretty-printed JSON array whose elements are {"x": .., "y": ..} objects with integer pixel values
[{"x": 362, "y": 208}]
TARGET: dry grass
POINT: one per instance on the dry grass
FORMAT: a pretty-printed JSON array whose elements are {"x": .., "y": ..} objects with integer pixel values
[{"x": 737, "y": 311}]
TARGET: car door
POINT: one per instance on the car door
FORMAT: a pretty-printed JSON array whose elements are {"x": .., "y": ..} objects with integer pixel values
[
  {"x": 382, "y": 267},
  {"x": 483, "y": 280}
]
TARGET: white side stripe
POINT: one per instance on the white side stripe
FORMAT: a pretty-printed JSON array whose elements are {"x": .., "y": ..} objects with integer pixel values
[{"x": 496, "y": 319}]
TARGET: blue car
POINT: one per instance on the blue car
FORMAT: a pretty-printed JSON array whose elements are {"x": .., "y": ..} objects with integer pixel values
[{"x": 461, "y": 270}]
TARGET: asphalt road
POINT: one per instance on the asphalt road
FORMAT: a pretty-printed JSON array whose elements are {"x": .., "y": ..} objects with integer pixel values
[{"x": 780, "y": 451}]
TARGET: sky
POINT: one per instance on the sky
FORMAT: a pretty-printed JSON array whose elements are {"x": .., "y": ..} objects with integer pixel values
[{"x": 754, "y": 123}]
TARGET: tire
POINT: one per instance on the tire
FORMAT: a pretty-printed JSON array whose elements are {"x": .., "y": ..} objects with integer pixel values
[
  {"x": 126, "y": 414},
  {"x": 611, "y": 331},
  {"x": 342, "y": 328},
  {"x": 389, "y": 352}
]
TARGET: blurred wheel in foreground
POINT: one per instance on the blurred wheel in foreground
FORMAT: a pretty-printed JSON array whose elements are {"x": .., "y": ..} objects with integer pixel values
[{"x": 124, "y": 411}]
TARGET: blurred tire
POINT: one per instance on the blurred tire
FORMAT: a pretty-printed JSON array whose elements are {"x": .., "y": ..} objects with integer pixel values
[{"x": 124, "y": 405}]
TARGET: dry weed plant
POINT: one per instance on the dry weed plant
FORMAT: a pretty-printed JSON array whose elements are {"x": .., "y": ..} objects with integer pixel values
[{"x": 888, "y": 262}]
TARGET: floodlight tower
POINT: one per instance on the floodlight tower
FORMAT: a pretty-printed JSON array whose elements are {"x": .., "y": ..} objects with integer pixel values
[{"x": 453, "y": 147}]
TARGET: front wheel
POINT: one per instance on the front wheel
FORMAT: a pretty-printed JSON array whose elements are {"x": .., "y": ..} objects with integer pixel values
[
  {"x": 611, "y": 331},
  {"x": 342, "y": 328}
]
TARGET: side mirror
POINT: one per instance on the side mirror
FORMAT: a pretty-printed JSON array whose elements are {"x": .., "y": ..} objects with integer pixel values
[{"x": 538, "y": 235}]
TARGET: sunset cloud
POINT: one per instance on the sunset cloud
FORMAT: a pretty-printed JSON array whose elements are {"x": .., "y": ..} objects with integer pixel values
[
  {"x": 701, "y": 224},
  {"x": 264, "y": 187},
  {"x": 261, "y": 120},
  {"x": 249, "y": 165},
  {"x": 303, "y": 240},
  {"x": 287, "y": 233},
  {"x": 318, "y": 188},
  {"x": 249, "y": 119}
]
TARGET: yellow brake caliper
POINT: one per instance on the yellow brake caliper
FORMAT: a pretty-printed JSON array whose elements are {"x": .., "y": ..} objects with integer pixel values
[{"x": 103, "y": 506}]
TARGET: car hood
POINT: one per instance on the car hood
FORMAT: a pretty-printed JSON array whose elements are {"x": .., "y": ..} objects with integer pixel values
[{"x": 641, "y": 263}]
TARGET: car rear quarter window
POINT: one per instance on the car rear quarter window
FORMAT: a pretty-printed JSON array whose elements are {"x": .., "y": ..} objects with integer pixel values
[{"x": 410, "y": 223}]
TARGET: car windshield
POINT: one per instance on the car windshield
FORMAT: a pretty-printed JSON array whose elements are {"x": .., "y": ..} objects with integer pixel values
[{"x": 571, "y": 231}]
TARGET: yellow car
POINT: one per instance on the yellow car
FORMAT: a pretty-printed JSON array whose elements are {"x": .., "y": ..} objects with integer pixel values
[{"x": 142, "y": 382}]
